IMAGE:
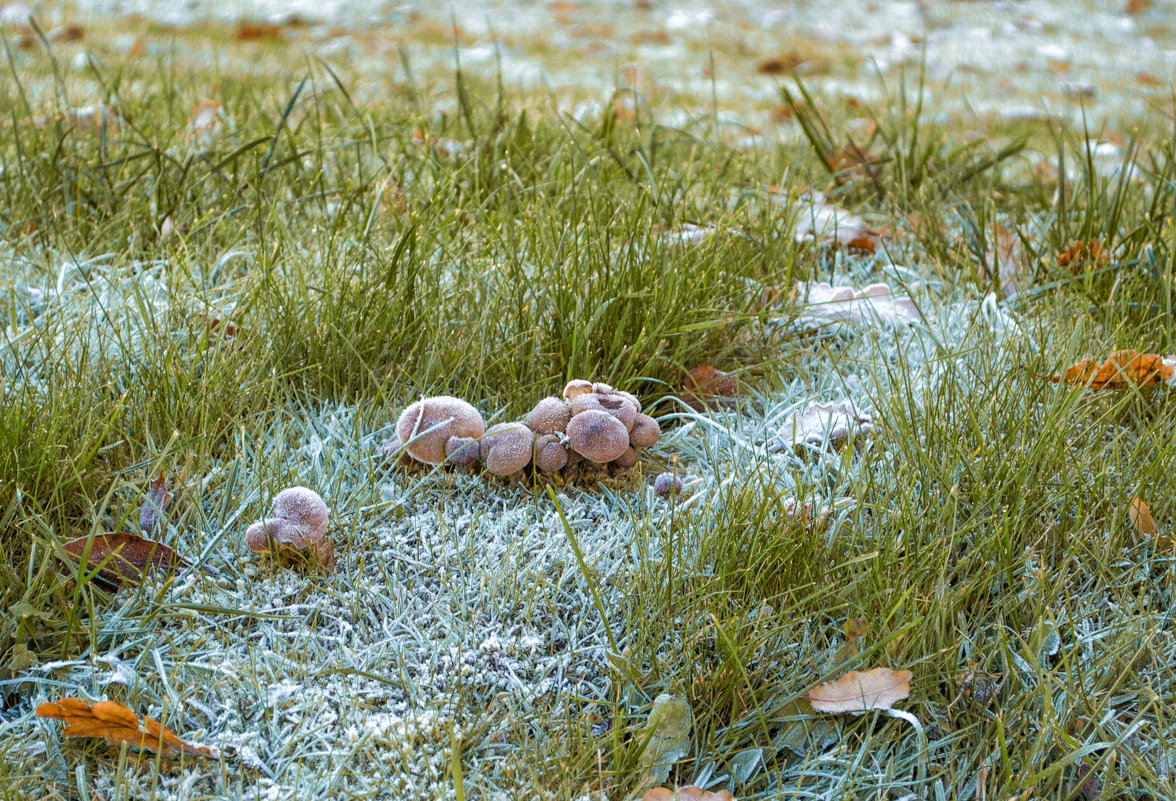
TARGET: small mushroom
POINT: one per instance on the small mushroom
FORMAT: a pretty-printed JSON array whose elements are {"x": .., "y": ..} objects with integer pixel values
[
  {"x": 597, "y": 436},
  {"x": 393, "y": 448},
  {"x": 549, "y": 416},
  {"x": 550, "y": 454},
  {"x": 506, "y": 448},
  {"x": 626, "y": 459},
  {"x": 298, "y": 520},
  {"x": 601, "y": 388},
  {"x": 462, "y": 451},
  {"x": 615, "y": 405},
  {"x": 645, "y": 433},
  {"x": 428, "y": 424},
  {"x": 576, "y": 387},
  {"x": 666, "y": 485},
  {"x": 629, "y": 397}
]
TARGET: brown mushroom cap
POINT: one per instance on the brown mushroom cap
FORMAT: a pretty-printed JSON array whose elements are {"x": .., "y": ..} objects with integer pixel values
[
  {"x": 576, "y": 387},
  {"x": 615, "y": 405},
  {"x": 461, "y": 451},
  {"x": 667, "y": 484},
  {"x": 600, "y": 388},
  {"x": 506, "y": 448},
  {"x": 629, "y": 397},
  {"x": 645, "y": 433},
  {"x": 626, "y": 459},
  {"x": 549, "y": 416},
  {"x": 597, "y": 436},
  {"x": 304, "y": 508},
  {"x": 432, "y": 422},
  {"x": 261, "y": 534},
  {"x": 550, "y": 454}
]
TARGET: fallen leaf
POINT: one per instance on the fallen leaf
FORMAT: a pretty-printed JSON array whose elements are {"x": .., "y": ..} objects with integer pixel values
[
  {"x": 1007, "y": 261},
  {"x": 830, "y": 309},
  {"x": 691, "y": 793},
  {"x": 204, "y": 123},
  {"x": 1123, "y": 369},
  {"x": 705, "y": 386},
  {"x": 859, "y": 692},
  {"x": 1141, "y": 517},
  {"x": 124, "y": 557},
  {"x": 666, "y": 736},
  {"x": 1080, "y": 255},
  {"x": 152, "y": 509},
  {"x": 67, "y": 33},
  {"x": 855, "y": 629},
  {"x": 822, "y": 425},
  {"x": 690, "y": 234},
  {"x": 118, "y": 726},
  {"x": 255, "y": 32},
  {"x": 1090, "y": 788},
  {"x": 778, "y": 65},
  {"x": 823, "y": 223}
]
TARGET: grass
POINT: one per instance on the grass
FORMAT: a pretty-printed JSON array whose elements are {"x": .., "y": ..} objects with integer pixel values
[{"x": 373, "y": 240}]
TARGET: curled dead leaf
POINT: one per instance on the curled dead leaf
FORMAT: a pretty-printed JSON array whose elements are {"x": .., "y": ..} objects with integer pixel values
[
  {"x": 705, "y": 386},
  {"x": 691, "y": 793},
  {"x": 152, "y": 509},
  {"x": 1080, "y": 255},
  {"x": 1141, "y": 517},
  {"x": 122, "y": 557},
  {"x": 1124, "y": 368},
  {"x": 118, "y": 725},
  {"x": 857, "y": 692}
]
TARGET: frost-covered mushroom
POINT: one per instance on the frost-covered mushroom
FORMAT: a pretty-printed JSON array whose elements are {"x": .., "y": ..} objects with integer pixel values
[
  {"x": 462, "y": 451},
  {"x": 615, "y": 405},
  {"x": 506, "y": 448},
  {"x": 626, "y": 459},
  {"x": 629, "y": 397},
  {"x": 298, "y": 520},
  {"x": 576, "y": 387},
  {"x": 601, "y": 388},
  {"x": 645, "y": 432},
  {"x": 597, "y": 436},
  {"x": 667, "y": 485},
  {"x": 550, "y": 454},
  {"x": 549, "y": 416},
  {"x": 428, "y": 424}
]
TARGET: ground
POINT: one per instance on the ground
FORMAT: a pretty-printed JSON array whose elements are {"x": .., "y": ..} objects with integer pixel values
[{"x": 377, "y": 203}]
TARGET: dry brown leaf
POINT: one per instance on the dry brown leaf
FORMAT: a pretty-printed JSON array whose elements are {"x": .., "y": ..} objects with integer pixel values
[
  {"x": 859, "y": 692},
  {"x": 1141, "y": 517},
  {"x": 778, "y": 65},
  {"x": 127, "y": 557},
  {"x": 254, "y": 32},
  {"x": 1123, "y": 369},
  {"x": 1081, "y": 254},
  {"x": 706, "y": 386},
  {"x": 691, "y": 793},
  {"x": 1008, "y": 260},
  {"x": 118, "y": 726}
]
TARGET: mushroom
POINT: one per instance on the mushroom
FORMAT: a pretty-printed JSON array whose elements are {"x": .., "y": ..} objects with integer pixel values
[
  {"x": 597, "y": 436},
  {"x": 666, "y": 485},
  {"x": 549, "y": 416},
  {"x": 615, "y": 405},
  {"x": 393, "y": 448},
  {"x": 629, "y": 397},
  {"x": 576, "y": 387},
  {"x": 601, "y": 388},
  {"x": 506, "y": 448},
  {"x": 626, "y": 459},
  {"x": 645, "y": 432},
  {"x": 298, "y": 521},
  {"x": 461, "y": 451},
  {"x": 550, "y": 454},
  {"x": 428, "y": 424}
]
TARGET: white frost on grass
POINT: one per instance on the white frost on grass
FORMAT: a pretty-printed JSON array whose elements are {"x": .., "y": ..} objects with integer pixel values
[{"x": 832, "y": 308}]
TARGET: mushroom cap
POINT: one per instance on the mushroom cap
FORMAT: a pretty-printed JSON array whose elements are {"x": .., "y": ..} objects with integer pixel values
[
  {"x": 304, "y": 508},
  {"x": 626, "y": 459},
  {"x": 600, "y": 388},
  {"x": 391, "y": 446},
  {"x": 576, "y": 386},
  {"x": 667, "y": 484},
  {"x": 629, "y": 397},
  {"x": 550, "y": 454},
  {"x": 432, "y": 422},
  {"x": 615, "y": 405},
  {"x": 259, "y": 535},
  {"x": 506, "y": 448},
  {"x": 462, "y": 451},
  {"x": 645, "y": 432},
  {"x": 549, "y": 416},
  {"x": 597, "y": 436}
]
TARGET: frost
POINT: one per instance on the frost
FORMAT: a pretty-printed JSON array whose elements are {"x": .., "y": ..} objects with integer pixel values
[
  {"x": 823, "y": 424},
  {"x": 831, "y": 309}
]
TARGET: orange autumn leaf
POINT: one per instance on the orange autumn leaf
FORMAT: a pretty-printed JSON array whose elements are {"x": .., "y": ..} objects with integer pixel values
[
  {"x": 118, "y": 726},
  {"x": 706, "y": 386},
  {"x": 124, "y": 557},
  {"x": 691, "y": 793},
  {"x": 859, "y": 692},
  {"x": 1141, "y": 517},
  {"x": 1124, "y": 368},
  {"x": 1080, "y": 254}
]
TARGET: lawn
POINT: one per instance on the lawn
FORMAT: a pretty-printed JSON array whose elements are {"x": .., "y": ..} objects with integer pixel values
[{"x": 244, "y": 295}]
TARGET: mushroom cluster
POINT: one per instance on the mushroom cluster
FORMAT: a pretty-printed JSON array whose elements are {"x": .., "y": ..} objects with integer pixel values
[
  {"x": 592, "y": 431},
  {"x": 297, "y": 522}
]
